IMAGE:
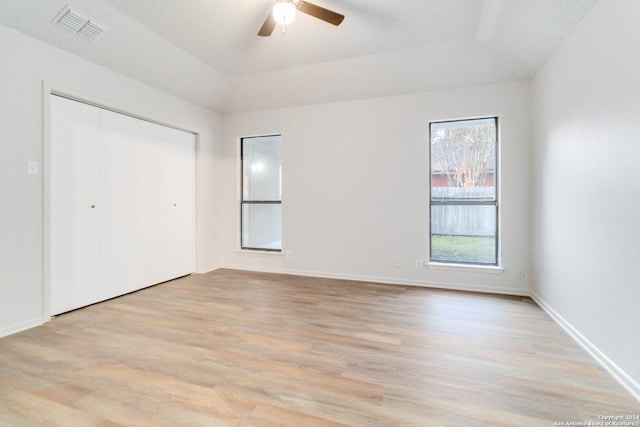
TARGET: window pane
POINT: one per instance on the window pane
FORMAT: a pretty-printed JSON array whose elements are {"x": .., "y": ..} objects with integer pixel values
[
  {"x": 463, "y": 160},
  {"x": 261, "y": 227},
  {"x": 463, "y": 233},
  {"x": 261, "y": 168}
]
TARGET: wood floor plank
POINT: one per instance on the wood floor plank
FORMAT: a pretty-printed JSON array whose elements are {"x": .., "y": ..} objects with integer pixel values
[{"x": 233, "y": 348}]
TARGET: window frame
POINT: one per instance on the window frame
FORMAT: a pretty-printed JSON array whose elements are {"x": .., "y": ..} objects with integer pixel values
[
  {"x": 494, "y": 203},
  {"x": 244, "y": 202}
]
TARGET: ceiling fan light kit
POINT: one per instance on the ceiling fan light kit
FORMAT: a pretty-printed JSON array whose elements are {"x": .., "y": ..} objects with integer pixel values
[{"x": 284, "y": 13}]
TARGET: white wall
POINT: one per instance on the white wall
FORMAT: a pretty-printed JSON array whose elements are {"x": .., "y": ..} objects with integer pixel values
[
  {"x": 586, "y": 203},
  {"x": 355, "y": 186},
  {"x": 26, "y": 63}
]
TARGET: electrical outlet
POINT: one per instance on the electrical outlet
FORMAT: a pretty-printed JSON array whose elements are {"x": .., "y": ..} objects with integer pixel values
[
  {"x": 288, "y": 255},
  {"x": 520, "y": 275},
  {"x": 419, "y": 264},
  {"x": 397, "y": 263}
]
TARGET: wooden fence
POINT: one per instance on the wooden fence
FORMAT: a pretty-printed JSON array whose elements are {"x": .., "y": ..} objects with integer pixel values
[{"x": 463, "y": 220}]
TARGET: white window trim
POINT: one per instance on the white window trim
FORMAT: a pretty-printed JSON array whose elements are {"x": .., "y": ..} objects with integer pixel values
[
  {"x": 469, "y": 268},
  {"x": 277, "y": 254}
]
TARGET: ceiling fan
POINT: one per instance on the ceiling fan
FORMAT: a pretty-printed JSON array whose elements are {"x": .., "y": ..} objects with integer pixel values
[{"x": 284, "y": 12}]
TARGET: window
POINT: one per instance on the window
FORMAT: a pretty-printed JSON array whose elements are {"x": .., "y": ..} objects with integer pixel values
[
  {"x": 464, "y": 202},
  {"x": 261, "y": 204}
]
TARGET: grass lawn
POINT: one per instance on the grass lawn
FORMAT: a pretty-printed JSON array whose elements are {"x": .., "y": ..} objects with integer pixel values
[{"x": 471, "y": 249}]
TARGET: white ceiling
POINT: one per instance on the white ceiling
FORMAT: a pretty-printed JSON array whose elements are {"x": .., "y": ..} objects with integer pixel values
[{"x": 207, "y": 51}]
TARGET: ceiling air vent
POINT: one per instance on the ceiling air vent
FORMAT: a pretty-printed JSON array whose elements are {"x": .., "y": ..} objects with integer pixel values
[{"x": 72, "y": 21}]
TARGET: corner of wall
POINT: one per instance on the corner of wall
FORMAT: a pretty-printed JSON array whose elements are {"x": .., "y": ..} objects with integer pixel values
[{"x": 607, "y": 364}]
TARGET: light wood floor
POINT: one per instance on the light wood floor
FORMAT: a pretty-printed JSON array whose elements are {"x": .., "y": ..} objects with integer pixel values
[{"x": 239, "y": 348}]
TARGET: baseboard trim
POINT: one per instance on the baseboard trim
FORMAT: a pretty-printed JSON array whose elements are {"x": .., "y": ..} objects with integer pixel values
[
  {"x": 389, "y": 280},
  {"x": 206, "y": 270},
  {"x": 607, "y": 364},
  {"x": 14, "y": 329}
]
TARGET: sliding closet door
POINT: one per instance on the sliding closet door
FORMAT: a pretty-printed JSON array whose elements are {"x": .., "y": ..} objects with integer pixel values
[
  {"x": 123, "y": 204},
  {"x": 179, "y": 246},
  {"x": 75, "y": 204},
  {"x": 166, "y": 191},
  {"x": 120, "y": 159}
]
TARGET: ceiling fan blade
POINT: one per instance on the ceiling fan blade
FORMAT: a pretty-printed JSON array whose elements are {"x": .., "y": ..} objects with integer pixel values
[
  {"x": 268, "y": 26},
  {"x": 320, "y": 12}
]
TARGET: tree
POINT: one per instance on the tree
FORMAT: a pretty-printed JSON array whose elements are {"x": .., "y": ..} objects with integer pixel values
[{"x": 464, "y": 154}]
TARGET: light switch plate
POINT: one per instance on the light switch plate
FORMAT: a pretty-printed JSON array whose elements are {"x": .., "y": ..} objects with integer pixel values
[{"x": 32, "y": 167}]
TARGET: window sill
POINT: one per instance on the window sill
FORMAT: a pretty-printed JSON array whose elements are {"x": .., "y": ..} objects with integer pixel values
[
  {"x": 259, "y": 252},
  {"x": 469, "y": 268}
]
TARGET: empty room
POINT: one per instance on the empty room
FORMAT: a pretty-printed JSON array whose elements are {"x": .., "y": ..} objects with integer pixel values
[{"x": 326, "y": 213}]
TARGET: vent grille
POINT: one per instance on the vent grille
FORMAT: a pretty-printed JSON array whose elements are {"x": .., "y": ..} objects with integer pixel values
[
  {"x": 72, "y": 21},
  {"x": 91, "y": 30}
]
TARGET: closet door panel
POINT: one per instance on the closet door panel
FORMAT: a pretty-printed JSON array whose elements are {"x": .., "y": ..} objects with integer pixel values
[
  {"x": 153, "y": 206},
  {"x": 75, "y": 205},
  {"x": 168, "y": 189},
  {"x": 180, "y": 219},
  {"x": 120, "y": 247}
]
